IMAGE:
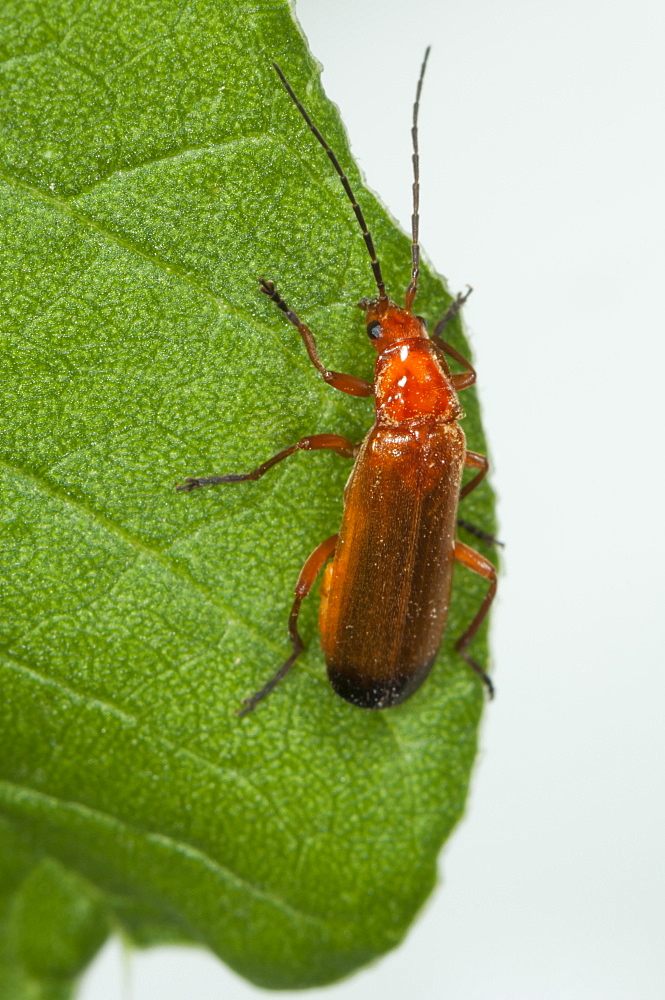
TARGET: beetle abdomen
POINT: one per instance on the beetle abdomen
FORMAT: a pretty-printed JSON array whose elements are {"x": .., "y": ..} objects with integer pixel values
[{"x": 386, "y": 594}]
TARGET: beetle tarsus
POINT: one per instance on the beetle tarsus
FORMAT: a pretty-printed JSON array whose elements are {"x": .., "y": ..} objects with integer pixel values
[
  {"x": 484, "y": 536},
  {"x": 249, "y": 704},
  {"x": 452, "y": 310},
  {"x": 193, "y": 484},
  {"x": 485, "y": 678}
]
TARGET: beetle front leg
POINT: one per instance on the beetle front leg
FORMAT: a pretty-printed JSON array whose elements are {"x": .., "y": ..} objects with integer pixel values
[
  {"x": 468, "y": 377},
  {"x": 452, "y": 311},
  {"x": 350, "y": 384}
]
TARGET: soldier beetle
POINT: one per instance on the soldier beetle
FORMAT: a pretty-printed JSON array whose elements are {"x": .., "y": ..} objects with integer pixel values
[{"x": 386, "y": 589}]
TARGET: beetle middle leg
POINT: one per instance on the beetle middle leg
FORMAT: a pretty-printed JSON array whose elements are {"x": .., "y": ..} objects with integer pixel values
[
  {"x": 306, "y": 579},
  {"x": 473, "y": 529},
  {"x": 473, "y": 460},
  {"x": 314, "y": 442},
  {"x": 350, "y": 384},
  {"x": 483, "y": 567}
]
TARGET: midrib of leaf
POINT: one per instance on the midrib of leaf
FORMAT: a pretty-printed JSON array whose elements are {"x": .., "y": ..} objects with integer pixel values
[
  {"x": 172, "y": 565},
  {"x": 67, "y": 206}
]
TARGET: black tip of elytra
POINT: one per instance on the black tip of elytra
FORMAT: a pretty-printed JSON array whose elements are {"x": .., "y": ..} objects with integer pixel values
[{"x": 376, "y": 693}]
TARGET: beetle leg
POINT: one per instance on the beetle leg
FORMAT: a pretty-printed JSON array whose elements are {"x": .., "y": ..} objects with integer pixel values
[
  {"x": 350, "y": 384},
  {"x": 474, "y": 461},
  {"x": 483, "y": 567},
  {"x": 308, "y": 575},
  {"x": 464, "y": 379},
  {"x": 452, "y": 311},
  {"x": 315, "y": 442},
  {"x": 473, "y": 529}
]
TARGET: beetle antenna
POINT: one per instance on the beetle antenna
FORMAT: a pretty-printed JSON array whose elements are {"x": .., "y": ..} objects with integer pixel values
[
  {"x": 376, "y": 267},
  {"x": 415, "y": 217}
]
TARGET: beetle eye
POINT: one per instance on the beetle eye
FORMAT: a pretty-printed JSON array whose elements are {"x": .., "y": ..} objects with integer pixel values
[
  {"x": 374, "y": 329},
  {"x": 422, "y": 320}
]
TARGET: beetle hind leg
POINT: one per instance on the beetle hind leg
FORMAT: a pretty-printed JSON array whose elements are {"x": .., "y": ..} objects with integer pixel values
[
  {"x": 483, "y": 567},
  {"x": 249, "y": 704},
  {"x": 306, "y": 579},
  {"x": 476, "y": 667}
]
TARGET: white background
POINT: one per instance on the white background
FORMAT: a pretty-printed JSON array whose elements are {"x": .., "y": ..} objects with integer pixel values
[{"x": 543, "y": 177}]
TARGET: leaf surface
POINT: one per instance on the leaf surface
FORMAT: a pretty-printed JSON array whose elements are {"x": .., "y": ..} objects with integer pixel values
[{"x": 151, "y": 168}]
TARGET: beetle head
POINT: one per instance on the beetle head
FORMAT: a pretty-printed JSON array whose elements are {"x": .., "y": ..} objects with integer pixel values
[{"x": 388, "y": 324}]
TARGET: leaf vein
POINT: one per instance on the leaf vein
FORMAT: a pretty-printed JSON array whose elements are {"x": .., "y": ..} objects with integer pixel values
[
  {"x": 118, "y": 530},
  {"x": 189, "y": 851},
  {"x": 172, "y": 155},
  {"x": 86, "y": 702},
  {"x": 221, "y": 304}
]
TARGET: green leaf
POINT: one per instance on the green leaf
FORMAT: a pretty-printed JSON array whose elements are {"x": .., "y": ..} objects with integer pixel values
[
  {"x": 151, "y": 167},
  {"x": 51, "y": 922}
]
